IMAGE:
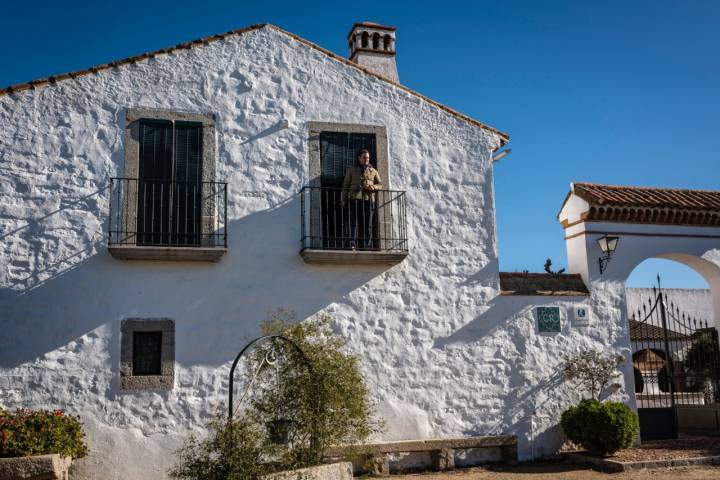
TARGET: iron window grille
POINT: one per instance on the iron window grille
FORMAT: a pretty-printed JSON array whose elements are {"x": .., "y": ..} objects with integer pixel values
[
  {"x": 330, "y": 220},
  {"x": 167, "y": 213}
]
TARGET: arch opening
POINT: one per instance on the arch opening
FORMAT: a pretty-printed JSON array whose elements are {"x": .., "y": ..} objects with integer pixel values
[
  {"x": 673, "y": 339},
  {"x": 387, "y": 42}
]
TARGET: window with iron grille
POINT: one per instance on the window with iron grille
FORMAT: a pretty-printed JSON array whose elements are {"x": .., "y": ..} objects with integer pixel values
[
  {"x": 170, "y": 181},
  {"x": 333, "y": 218},
  {"x": 167, "y": 195}
]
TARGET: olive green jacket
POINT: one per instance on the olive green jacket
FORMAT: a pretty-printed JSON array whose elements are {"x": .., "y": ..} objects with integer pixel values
[{"x": 355, "y": 185}]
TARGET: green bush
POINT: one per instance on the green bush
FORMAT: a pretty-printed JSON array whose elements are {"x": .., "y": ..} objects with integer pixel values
[
  {"x": 602, "y": 428},
  {"x": 26, "y": 432}
]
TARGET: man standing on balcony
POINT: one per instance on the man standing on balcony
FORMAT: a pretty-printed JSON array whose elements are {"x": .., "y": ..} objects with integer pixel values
[{"x": 361, "y": 181}]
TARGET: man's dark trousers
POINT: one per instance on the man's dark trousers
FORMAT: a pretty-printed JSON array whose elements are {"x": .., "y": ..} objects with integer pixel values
[{"x": 361, "y": 223}]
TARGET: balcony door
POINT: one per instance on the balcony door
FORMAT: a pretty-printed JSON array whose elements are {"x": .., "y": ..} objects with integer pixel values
[
  {"x": 338, "y": 152},
  {"x": 170, "y": 183}
]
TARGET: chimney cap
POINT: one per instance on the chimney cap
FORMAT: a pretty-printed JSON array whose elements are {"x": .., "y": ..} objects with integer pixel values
[{"x": 374, "y": 25}]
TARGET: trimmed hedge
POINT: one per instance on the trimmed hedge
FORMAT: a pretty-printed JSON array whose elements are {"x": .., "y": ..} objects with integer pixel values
[
  {"x": 602, "y": 428},
  {"x": 26, "y": 432}
]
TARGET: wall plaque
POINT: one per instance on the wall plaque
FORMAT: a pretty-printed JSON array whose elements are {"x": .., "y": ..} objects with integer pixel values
[
  {"x": 548, "y": 319},
  {"x": 582, "y": 315}
]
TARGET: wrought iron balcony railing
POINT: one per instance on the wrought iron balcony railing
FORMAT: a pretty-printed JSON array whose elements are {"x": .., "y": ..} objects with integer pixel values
[
  {"x": 167, "y": 213},
  {"x": 342, "y": 219}
]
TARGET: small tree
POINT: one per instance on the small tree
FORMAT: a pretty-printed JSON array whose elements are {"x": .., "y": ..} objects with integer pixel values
[
  {"x": 701, "y": 364},
  {"x": 592, "y": 370},
  {"x": 314, "y": 407}
]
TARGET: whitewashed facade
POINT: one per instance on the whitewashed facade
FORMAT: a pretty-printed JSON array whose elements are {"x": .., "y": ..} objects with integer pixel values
[{"x": 444, "y": 353}]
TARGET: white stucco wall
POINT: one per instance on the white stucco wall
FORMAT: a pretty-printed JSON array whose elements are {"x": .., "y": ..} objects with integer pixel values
[{"x": 443, "y": 353}]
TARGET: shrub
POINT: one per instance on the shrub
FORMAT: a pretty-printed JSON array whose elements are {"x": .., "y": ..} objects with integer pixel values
[
  {"x": 26, "y": 432},
  {"x": 602, "y": 428},
  {"x": 232, "y": 451},
  {"x": 314, "y": 408}
]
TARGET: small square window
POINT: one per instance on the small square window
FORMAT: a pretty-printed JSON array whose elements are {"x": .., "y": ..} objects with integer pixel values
[
  {"x": 147, "y": 349},
  {"x": 147, "y": 354}
]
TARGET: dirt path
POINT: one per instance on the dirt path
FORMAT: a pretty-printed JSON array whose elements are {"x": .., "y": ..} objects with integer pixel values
[{"x": 561, "y": 471}]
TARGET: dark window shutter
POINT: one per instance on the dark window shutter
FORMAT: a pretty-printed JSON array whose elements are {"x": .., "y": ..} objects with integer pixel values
[
  {"x": 147, "y": 353},
  {"x": 155, "y": 150},
  {"x": 338, "y": 152},
  {"x": 188, "y": 152},
  {"x": 360, "y": 141},
  {"x": 169, "y": 187}
]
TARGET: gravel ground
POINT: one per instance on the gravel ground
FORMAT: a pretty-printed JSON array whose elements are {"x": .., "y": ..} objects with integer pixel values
[
  {"x": 684, "y": 447},
  {"x": 561, "y": 471}
]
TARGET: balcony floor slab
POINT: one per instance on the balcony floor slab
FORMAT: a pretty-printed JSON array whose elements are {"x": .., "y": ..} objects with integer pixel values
[
  {"x": 191, "y": 254},
  {"x": 352, "y": 257}
]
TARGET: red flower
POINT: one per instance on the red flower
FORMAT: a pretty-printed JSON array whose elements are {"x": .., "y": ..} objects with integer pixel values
[{"x": 58, "y": 413}]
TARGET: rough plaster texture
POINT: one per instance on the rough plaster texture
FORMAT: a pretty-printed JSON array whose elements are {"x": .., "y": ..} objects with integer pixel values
[
  {"x": 379, "y": 63},
  {"x": 444, "y": 355}
]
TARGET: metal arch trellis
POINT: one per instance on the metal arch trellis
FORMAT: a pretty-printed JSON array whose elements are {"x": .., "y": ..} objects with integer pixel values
[{"x": 256, "y": 343}]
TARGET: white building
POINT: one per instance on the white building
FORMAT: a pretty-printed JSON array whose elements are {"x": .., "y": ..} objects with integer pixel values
[{"x": 204, "y": 230}]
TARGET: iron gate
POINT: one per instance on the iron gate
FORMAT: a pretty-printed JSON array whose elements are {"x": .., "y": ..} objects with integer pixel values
[{"x": 675, "y": 361}]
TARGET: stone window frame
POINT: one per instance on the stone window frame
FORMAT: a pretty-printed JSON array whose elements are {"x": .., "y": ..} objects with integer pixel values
[
  {"x": 166, "y": 379},
  {"x": 382, "y": 161},
  {"x": 381, "y": 147},
  {"x": 131, "y": 167}
]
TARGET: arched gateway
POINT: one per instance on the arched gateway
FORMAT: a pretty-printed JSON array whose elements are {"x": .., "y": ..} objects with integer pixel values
[{"x": 642, "y": 223}]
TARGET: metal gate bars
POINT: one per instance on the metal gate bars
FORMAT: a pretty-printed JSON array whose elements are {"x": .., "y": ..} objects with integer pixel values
[{"x": 676, "y": 361}]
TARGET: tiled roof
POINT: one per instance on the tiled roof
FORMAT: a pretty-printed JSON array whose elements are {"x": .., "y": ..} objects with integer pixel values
[
  {"x": 649, "y": 205},
  {"x": 546, "y": 284},
  {"x": 646, "y": 331},
  {"x": 504, "y": 137}
]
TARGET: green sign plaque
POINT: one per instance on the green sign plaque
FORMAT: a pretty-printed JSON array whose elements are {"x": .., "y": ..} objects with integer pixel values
[{"x": 548, "y": 319}]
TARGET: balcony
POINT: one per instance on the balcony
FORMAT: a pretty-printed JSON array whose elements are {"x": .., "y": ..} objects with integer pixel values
[
  {"x": 167, "y": 220},
  {"x": 337, "y": 229}
]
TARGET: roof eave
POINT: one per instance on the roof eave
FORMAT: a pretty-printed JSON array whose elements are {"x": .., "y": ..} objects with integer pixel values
[{"x": 504, "y": 137}]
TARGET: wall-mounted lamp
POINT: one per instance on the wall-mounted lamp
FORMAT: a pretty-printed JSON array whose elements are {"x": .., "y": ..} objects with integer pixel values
[{"x": 608, "y": 244}]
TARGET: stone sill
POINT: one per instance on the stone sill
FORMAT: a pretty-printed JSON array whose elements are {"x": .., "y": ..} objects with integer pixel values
[
  {"x": 352, "y": 257},
  {"x": 191, "y": 254}
]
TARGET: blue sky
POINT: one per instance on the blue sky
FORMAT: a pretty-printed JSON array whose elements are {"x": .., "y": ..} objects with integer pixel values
[{"x": 608, "y": 92}]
